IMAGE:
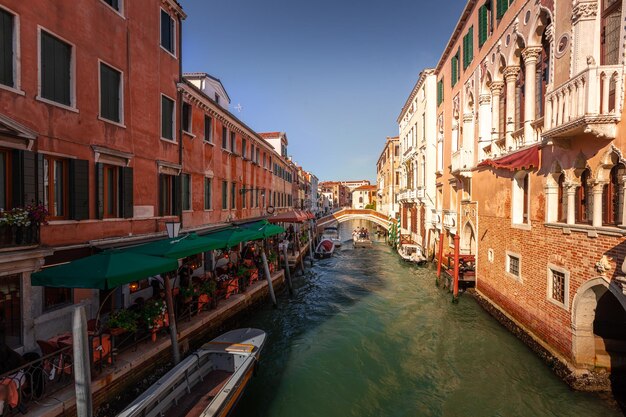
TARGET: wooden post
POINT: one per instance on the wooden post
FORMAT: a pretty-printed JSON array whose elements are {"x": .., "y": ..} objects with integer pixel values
[
  {"x": 172, "y": 320},
  {"x": 81, "y": 363},
  {"x": 426, "y": 246},
  {"x": 440, "y": 257},
  {"x": 311, "y": 247},
  {"x": 301, "y": 254},
  {"x": 268, "y": 277},
  {"x": 455, "y": 284},
  {"x": 287, "y": 271}
]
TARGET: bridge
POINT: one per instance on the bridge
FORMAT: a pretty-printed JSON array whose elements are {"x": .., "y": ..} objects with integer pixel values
[{"x": 346, "y": 214}]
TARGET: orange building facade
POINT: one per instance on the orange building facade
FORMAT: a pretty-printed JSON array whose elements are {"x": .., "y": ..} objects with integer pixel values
[{"x": 530, "y": 172}]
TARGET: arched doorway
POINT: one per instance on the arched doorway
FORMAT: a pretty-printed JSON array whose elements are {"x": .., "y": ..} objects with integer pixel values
[
  {"x": 468, "y": 240},
  {"x": 599, "y": 325}
]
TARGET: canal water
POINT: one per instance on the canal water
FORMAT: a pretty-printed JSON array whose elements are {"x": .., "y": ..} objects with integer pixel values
[{"x": 368, "y": 335}]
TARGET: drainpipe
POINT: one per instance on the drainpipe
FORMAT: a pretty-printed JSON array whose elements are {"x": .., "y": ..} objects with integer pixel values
[{"x": 179, "y": 94}]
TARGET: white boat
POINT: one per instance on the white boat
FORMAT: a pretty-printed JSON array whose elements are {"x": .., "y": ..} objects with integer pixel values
[
  {"x": 412, "y": 253},
  {"x": 325, "y": 249},
  {"x": 207, "y": 383},
  {"x": 332, "y": 233},
  {"x": 361, "y": 238}
]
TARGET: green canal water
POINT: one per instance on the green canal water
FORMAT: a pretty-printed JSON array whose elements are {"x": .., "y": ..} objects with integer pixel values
[{"x": 368, "y": 335}]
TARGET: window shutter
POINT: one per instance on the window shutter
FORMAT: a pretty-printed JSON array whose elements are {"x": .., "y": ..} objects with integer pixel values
[
  {"x": 24, "y": 178},
  {"x": 483, "y": 25},
  {"x": 167, "y": 111},
  {"x": 6, "y": 48},
  {"x": 126, "y": 183},
  {"x": 79, "y": 189},
  {"x": 167, "y": 38},
  {"x": 455, "y": 69},
  {"x": 176, "y": 194},
  {"x": 160, "y": 180},
  {"x": 110, "y": 93},
  {"x": 56, "y": 57},
  {"x": 99, "y": 190},
  {"x": 208, "y": 136},
  {"x": 503, "y": 5},
  {"x": 40, "y": 179},
  {"x": 470, "y": 45}
]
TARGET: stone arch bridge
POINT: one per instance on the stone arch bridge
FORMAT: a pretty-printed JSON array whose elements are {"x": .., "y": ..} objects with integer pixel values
[{"x": 346, "y": 214}]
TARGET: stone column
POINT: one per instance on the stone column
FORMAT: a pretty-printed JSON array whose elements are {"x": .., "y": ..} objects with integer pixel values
[
  {"x": 496, "y": 91},
  {"x": 510, "y": 77},
  {"x": 623, "y": 201},
  {"x": 468, "y": 132},
  {"x": 530, "y": 55},
  {"x": 597, "y": 204},
  {"x": 552, "y": 195},
  {"x": 571, "y": 203},
  {"x": 455, "y": 136}
]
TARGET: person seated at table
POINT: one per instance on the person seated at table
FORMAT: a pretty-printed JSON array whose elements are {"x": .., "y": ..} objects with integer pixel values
[{"x": 231, "y": 269}]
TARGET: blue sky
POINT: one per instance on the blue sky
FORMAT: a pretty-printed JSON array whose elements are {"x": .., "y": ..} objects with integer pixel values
[{"x": 332, "y": 74}]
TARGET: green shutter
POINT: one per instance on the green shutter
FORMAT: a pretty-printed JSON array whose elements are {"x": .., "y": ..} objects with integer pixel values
[
  {"x": 126, "y": 182},
  {"x": 79, "y": 189},
  {"x": 502, "y": 6},
  {"x": 56, "y": 57},
  {"x": 440, "y": 92},
  {"x": 483, "y": 25},
  {"x": 110, "y": 93},
  {"x": 6, "y": 48},
  {"x": 167, "y": 122},
  {"x": 207, "y": 194},
  {"x": 454, "y": 62},
  {"x": 468, "y": 47}
]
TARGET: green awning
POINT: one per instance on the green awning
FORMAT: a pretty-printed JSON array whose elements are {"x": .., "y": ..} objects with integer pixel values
[
  {"x": 264, "y": 228},
  {"x": 105, "y": 270},
  {"x": 179, "y": 247},
  {"x": 233, "y": 236}
]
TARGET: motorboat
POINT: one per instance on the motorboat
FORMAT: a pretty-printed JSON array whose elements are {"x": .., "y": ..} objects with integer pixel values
[
  {"x": 325, "y": 249},
  {"x": 412, "y": 253},
  {"x": 361, "y": 238},
  {"x": 208, "y": 383},
  {"x": 332, "y": 233}
]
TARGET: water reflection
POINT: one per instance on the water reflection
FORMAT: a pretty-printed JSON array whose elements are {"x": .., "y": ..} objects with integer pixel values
[{"x": 368, "y": 335}]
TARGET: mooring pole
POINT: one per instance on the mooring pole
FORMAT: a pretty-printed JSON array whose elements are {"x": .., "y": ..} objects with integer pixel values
[
  {"x": 440, "y": 258},
  {"x": 287, "y": 271},
  {"x": 171, "y": 318},
  {"x": 310, "y": 247},
  {"x": 266, "y": 268},
  {"x": 81, "y": 363},
  {"x": 455, "y": 284},
  {"x": 301, "y": 254}
]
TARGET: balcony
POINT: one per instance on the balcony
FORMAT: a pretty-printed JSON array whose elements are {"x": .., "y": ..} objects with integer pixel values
[
  {"x": 14, "y": 237},
  {"x": 436, "y": 218},
  {"x": 449, "y": 220},
  {"x": 590, "y": 102},
  {"x": 462, "y": 162},
  {"x": 420, "y": 193}
]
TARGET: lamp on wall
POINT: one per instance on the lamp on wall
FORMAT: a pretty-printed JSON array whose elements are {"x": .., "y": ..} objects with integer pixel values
[{"x": 173, "y": 228}]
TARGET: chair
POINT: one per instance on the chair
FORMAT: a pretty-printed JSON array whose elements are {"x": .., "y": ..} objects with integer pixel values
[{"x": 56, "y": 362}]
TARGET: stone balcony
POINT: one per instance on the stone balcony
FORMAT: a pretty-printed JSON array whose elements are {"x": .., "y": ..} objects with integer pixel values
[
  {"x": 407, "y": 196},
  {"x": 462, "y": 162},
  {"x": 449, "y": 220},
  {"x": 436, "y": 218},
  {"x": 590, "y": 102}
]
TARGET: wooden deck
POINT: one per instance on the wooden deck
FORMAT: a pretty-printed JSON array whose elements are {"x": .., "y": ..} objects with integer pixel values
[{"x": 193, "y": 404}]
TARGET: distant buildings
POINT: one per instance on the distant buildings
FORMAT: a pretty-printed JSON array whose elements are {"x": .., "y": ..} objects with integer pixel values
[
  {"x": 388, "y": 178},
  {"x": 364, "y": 196},
  {"x": 339, "y": 194}
]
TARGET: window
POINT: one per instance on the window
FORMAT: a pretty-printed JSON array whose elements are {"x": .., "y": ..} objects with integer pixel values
[
  {"x": 187, "y": 126},
  {"x": 612, "y": 204},
  {"x": 208, "y": 192},
  {"x": 611, "y": 16},
  {"x": 208, "y": 129},
  {"x": 56, "y": 297},
  {"x": 521, "y": 198},
  {"x": 557, "y": 292},
  {"x": 167, "y": 195},
  {"x": 440, "y": 92},
  {"x": 233, "y": 142},
  {"x": 454, "y": 63},
  {"x": 55, "y": 195},
  {"x": 561, "y": 200},
  {"x": 11, "y": 305},
  {"x": 502, "y": 6},
  {"x": 484, "y": 14},
  {"x": 115, "y": 4},
  {"x": 513, "y": 264},
  {"x": 224, "y": 195},
  {"x": 186, "y": 178},
  {"x": 111, "y": 191},
  {"x": 167, "y": 118},
  {"x": 233, "y": 195},
  {"x": 56, "y": 70},
  {"x": 217, "y": 98},
  {"x": 5, "y": 179},
  {"x": 468, "y": 47},
  {"x": 110, "y": 93},
  {"x": 167, "y": 31},
  {"x": 7, "y": 48},
  {"x": 258, "y": 155},
  {"x": 244, "y": 147},
  {"x": 224, "y": 138},
  {"x": 583, "y": 199}
]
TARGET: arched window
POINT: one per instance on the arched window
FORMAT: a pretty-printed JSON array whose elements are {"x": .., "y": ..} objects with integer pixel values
[
  {"x": 611, "y": 197},
  {"x": 543, "y": 76},
  {"x": 583, "y": 199},
  {"x": 561, "y": 200}
]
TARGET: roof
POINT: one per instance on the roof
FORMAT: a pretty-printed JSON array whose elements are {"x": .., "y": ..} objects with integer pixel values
[
  {"x": 176, "y": 7},
  {"x": 269, "y": 134},
  {"x": 457, "y": 33},
  {"x": 365, "y": 188},
  {"x": 420, "y": 80},
  {"x": 200, "y": 75}
]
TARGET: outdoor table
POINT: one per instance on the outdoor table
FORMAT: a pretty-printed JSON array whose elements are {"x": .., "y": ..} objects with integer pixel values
[{"x": 101, "y": 345}]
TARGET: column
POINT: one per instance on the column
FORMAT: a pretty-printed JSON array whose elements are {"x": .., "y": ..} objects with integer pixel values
[
  {"x": 571, "y": 202},
  {"x": 552, "y": 194},
  {"x": 510, "y": 78},
  {"x": 467, "y": 142},
  {"x": 530, "y": 55},
  {"x": 597, "y": 204},
  {"x": 496, "y": 91},
  {"x": 622, "y": 206},
  {"x": 484, "y": 121}
]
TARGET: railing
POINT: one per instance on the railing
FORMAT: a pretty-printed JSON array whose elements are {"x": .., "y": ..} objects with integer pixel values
[
  {"x": 462, "y": 160},
  {"x": 591, "y": 97},
  {"x": 518, "y": 138},
  {"x": 19, "y": 235}
]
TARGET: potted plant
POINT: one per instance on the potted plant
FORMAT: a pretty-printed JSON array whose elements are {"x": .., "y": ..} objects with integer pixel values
[
  {"x": 188, "y": 293},
  {"x": 154, "y": 315},
  {"x": 243, "y": 272},
  {"x": 122, "y": 321},
  {"x": 207, "y": 292},
  {"x": 272, "y": 258}
]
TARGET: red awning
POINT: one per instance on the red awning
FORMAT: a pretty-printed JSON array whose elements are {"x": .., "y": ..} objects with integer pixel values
[
  {"x": 522, "y": 159},
  {"x": 294, "y": 216}
]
